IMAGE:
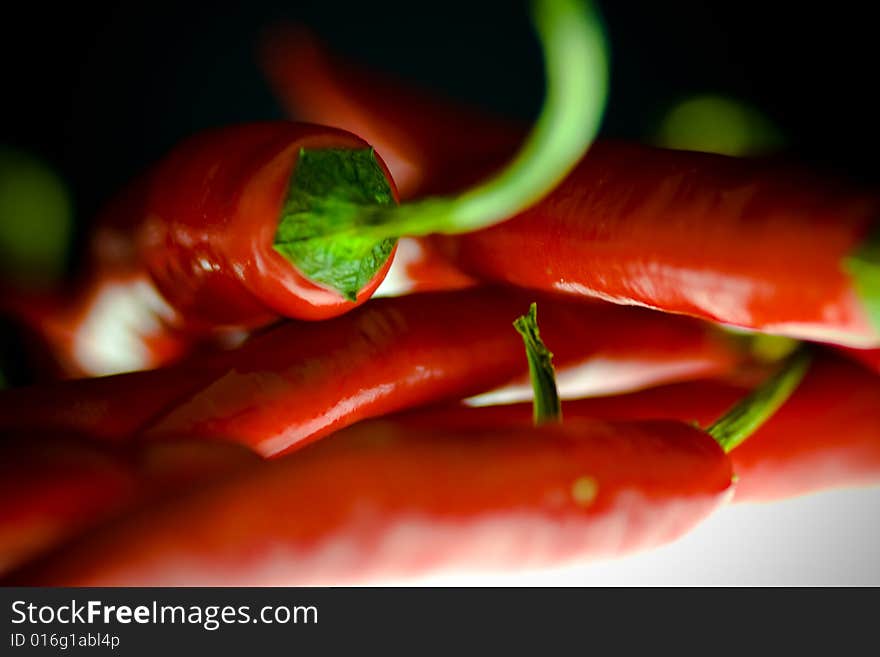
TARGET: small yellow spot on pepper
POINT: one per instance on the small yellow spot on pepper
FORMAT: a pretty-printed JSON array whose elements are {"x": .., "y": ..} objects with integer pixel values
[{"x": 584, "y": 490}]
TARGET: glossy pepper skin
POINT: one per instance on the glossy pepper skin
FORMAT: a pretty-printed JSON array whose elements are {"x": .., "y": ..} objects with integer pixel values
[
  {"x": 212, "y": 213},
  {"x": 379, "y": 500},
  {"x": 186, "y": 250},
  {"x": 752, "y": 243},
  {"x": 53, "y": 487},
  {"x": 742, "y": 242},
  {"x": 826, "y": 435},
  {"x": 299, "y": 381}
]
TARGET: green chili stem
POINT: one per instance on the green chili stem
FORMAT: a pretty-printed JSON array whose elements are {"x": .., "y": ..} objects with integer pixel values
[
  {"x": 741, "y": 421},
  {"x": 338, "y": 226},
  {"x": 546, "y": 405},
  {"x": 576, "y": 64}
]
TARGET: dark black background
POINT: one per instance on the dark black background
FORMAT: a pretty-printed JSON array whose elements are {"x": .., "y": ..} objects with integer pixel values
[{"x": 102, "y": 89}]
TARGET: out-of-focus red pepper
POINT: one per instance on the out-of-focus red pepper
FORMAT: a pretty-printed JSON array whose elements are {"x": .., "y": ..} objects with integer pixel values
[
  {"x": 300, "y": 381},
  {"x": 53, "y": 487},
  {"x": 380, "y": 500},
  {"x": 169, "y": 468},
  {"x": 112, "y": 320},
  {"x": 826, "y": 435},
  {"x": 868, "y": 357},
  {"x": 750, "y": 243}
]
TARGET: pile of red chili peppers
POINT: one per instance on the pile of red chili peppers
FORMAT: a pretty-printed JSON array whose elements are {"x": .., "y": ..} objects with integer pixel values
[{"x": 269, "y": 422}]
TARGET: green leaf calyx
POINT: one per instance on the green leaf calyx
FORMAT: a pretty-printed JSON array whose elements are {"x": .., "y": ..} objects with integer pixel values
[{"x": 330, "y": 188}]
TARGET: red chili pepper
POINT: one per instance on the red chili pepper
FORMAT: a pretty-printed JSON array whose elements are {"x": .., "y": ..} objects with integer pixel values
[
  {"x": 826, "y": 435},
  {"x": 240, "y": 225},
  {"x": 730, "y": 240},
  {"x": 53, "y": 487},
  {"x": 380, "y": 501},
  {"x": 211, "y": 253},
  {"x": 300, "y": 381},
  {"x": 745, "y": 242},
  {"x": 191, "y": 244}
]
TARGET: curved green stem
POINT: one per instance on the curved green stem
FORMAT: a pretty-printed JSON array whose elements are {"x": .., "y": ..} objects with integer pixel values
[
  {"x": 741, "y": 421},
  {"x": 337, "y": 233},
  {"x": 576, "y": 64},
  {"x": 547, "y": 407}
]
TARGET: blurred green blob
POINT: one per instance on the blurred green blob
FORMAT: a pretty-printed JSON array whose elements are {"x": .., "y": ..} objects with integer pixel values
[
  {"x": 718, "y": 124},
  {"x": 771, "y": 348},
  {"x": 763, "y": 347},
  {"x": 36, "y": 219},
  {"x": 864, "y": 267}
]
